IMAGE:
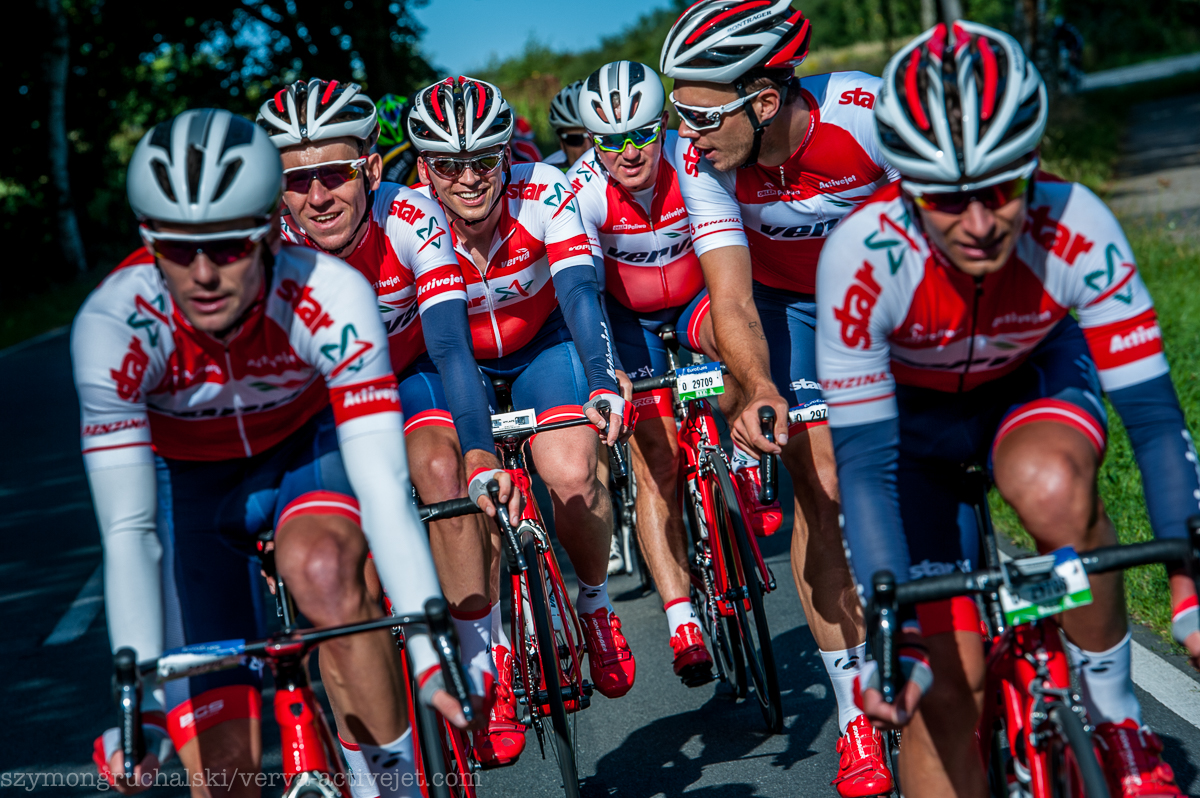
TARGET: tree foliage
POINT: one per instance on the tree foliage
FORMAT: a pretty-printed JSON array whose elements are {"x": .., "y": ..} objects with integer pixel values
[{"x": 135, "y": 64}]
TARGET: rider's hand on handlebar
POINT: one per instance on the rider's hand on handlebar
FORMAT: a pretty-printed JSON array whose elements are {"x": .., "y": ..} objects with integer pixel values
[
  {"x": 891, "y": 716},
  {"x": 618, "y": 424},
  {"x": 143, "y": 775},
  {"x": 446, "y": 704},
  {"x": 626, "y": 385},
  {"x": 747, "y": 431},
  {"x": 478, "y": 460}
]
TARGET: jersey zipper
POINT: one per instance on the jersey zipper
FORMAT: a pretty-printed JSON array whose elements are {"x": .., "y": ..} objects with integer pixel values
[
  {"x": 487, "y": 298},
  {"x": 237, "y": 405},
  {"x": 962, "y": 378}
]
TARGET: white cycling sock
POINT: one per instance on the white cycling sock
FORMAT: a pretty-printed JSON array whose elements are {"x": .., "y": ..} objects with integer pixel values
[
  {"x": 742, "y": 459},
  {"x": 592, "y": 598},
  {"x": 842, "y": 667},
  {"x": 679, "y": 613},
  {"x": 394, "y": 767},
  {"x": 358, "y": 773},
  {"x": 1107, "y": 682},
  {"x": 499, "y": 638},
  {"x": 475, "y": 646}
]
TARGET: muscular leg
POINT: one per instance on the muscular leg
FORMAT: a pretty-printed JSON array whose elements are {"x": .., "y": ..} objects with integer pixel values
[
  {"x": 321, "y": 558},
  {"x": 819, "y": 566},
  {"x": 582, "y": 508},
  {"x": 1047, "y": 472},
  {"x": 939, "y": 757},
  {"x": 460, "y": 545},
  {"x": 223, "y": 755},
  {"x": 660, "y": 525}
]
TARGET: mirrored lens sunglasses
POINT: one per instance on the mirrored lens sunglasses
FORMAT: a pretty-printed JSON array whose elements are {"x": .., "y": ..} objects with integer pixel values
[
  {"x": 642, "y": 137},
  {"x": 331, "y": 174}
]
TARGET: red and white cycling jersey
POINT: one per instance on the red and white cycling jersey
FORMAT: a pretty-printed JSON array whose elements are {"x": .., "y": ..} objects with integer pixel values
[
  {"x": 147, "y": 378},
  {"x": 784, "y": 213},
  {"x": 893, "y": 309},
  {"x": 539, "y": 234},
  {"x": 407, "y": 237},
  {"x": 649, "y": 261}
]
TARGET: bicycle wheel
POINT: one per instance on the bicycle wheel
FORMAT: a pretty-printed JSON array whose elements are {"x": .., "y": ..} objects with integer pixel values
[
  {"x": 754, "y": 633},
  {"x": 432, "y": 764},
  {"x": 731, "y": 663},
  {"x": 1076, "y": 771},
  {"x": 552, "y": 675}
]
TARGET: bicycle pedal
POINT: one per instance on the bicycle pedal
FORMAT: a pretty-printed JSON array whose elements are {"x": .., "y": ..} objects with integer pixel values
[{"x": 588, "y": 688}]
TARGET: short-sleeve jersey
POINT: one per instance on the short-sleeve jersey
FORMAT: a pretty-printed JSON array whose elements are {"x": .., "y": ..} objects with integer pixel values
[
  {"x": 893, "y": 310},
  {"x": 146, "y": 377},
  {"x": 784, "y": 213},
  {"x": 538, "y": 235},
  {"x": 407, "y": 237},
  {"x": 649, "y": 261}
]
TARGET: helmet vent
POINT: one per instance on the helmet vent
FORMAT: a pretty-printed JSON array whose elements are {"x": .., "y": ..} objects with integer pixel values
[
  {"x": 240, "y": 132},
  {"x": 231, "y": 170},
  {"x": 161, "y": 137},
  {"x": 162, "y": 175},
  {"x": 195, "y": 168}
]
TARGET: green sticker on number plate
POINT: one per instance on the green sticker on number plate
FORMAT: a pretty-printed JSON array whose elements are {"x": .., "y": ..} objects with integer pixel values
[
  {"x": 697, "y": 382},
  {"x": 1035, "y": 587}
]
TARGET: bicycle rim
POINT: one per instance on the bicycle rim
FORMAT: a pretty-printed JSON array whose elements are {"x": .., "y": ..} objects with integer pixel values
[
  {"x": 755, "y": 635},
  {"x": 721, "y": 632},
  {"x": 560, "y": 732},
  {"x": 1077, "y": 772}
]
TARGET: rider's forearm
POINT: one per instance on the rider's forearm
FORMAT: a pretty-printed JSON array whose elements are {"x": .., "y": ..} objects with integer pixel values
[
  {"x": 377, "y": 465},
  {"x": 448, "y": 339},
  {"x": 1164, "y": 452},
  {"x": 736, "y": 325},
  {"x": 125, "y": 498},
  {"x": 579, "y": 299},
  {"x": 867, "y": 456},
  {"x": 608, "y": 326}
]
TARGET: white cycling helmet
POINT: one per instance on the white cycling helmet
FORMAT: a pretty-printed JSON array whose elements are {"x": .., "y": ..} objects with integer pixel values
[
  {"x": 721, "y": 40},
  {"x": 620, "y": 97},
  {"x": 961, "y": 109},
  {"x": 206, "y": 165},
  {"x": 433, "y": 123},
  {"x": 564, "y": 108},
  {"x": 330, "y": 110}
]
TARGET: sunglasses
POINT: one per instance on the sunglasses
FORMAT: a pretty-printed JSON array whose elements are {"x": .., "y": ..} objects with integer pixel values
[
  {"x": 700, "y": 117},
  {"x": 615, "y": 142},
  {"x": 453, "y": 168},
  {"x": 956, "y": 202},
  {"x": 573, "y": 139},
  {"x": 221, "y": 248},
  {"x": 331, "y": 174}
]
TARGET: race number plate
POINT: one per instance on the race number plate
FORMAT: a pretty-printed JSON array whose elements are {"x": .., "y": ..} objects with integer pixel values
[
  {"x": 1039, "y": 586},
  {"x": 697, "y": 382},
  {"x": 516, "y": 421}
]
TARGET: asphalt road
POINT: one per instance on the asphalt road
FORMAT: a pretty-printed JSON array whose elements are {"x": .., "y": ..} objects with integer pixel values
[{"x": 662, "y": 739}]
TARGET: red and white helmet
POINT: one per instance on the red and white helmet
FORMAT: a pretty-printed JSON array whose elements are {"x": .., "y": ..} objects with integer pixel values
[
  {"x": 961, "y": 108},
  {"x": 721, "y": 40},
  {"x": 331, "y": 110},
  {"x": 433, "y": 121}
]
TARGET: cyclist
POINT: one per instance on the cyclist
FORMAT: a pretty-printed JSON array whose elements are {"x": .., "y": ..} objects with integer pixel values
[
  {"x": 573, "y": 137},
  {"x": 229, "y": 386},
  {"x": 399, "y": 157},
  {"x": 529, "y": 311},
  {"x": 771, "y": 165},
  {"x": 944, "y": 337},
  {"x": 393, "y": 236},
  {"x": 523, "y": 147},
  {"x": 637, "y": 225}
]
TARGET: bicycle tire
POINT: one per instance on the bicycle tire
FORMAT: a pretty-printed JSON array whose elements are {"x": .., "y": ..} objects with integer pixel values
[
  {"x": 564, "y": 743},
  {"x": 755, "y": 638},
  {"x": 731, "y": 663},
  {"x": 433, "y": 760},
  {"x": 1078, "y": 742}
]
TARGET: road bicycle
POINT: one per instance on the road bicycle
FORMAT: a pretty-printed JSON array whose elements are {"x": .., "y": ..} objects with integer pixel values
[
  {"x": 728, "y": 574},
  {"x": 547, "y": 639},
  {"x": 1034, "y": 731},
  {"x": 312, "y": 762}
]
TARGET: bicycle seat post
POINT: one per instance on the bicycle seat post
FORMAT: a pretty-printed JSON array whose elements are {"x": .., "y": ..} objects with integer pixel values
[{"x": 667, "y": 334}]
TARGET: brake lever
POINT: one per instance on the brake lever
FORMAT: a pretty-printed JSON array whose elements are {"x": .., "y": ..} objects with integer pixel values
[
  {"x": 445, "y": 641},
  {"x": 128, "y": 688},
  {"x": 512, "y": 548},
  {"x": 768, "y": 471},
  {"x": 885, "y": 624}
]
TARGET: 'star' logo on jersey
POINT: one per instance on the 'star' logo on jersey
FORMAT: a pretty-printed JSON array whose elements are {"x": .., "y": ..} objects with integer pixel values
[{"x": 855, "y": 312}]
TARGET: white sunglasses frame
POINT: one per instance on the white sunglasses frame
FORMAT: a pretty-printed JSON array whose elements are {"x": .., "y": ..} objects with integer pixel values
[{"x": 721, "y": 111}]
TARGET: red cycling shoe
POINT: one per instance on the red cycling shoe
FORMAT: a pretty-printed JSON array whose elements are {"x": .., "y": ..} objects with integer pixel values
[
  {"x": 693, "y": 663},
  {"x": 862, "y": 770},
  {"x": 609, "y": 658},
  {"x": 764, "y": 518},
  {"x": 1130, "y": 756},
  {"x": 504, "y": 739}
]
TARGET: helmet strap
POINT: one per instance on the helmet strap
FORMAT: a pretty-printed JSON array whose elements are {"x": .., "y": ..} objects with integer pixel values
[{"x": 759, "y": 127}]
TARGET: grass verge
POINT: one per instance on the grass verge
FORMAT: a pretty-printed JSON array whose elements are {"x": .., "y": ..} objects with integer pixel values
[{"x": 35, "y": 314}]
